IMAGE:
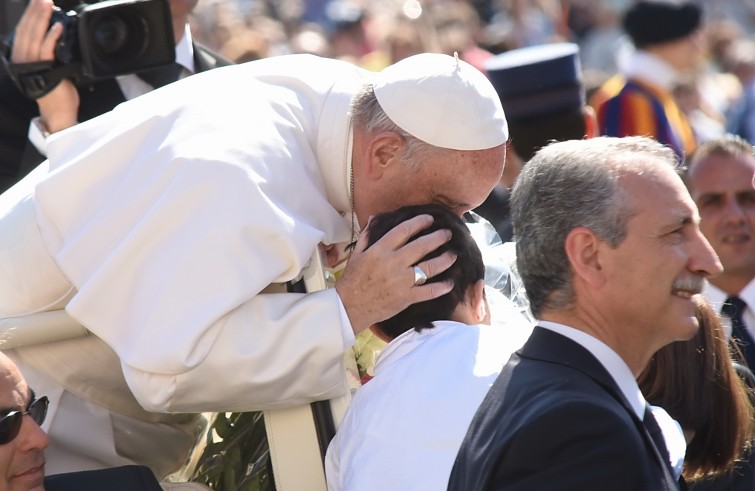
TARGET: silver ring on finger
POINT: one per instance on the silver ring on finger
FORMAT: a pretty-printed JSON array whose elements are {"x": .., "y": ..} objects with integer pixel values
[{"x": 420, "y": 278}]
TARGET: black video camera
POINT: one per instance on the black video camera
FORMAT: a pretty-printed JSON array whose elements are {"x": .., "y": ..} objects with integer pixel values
[{"x": 100, "y": 40}]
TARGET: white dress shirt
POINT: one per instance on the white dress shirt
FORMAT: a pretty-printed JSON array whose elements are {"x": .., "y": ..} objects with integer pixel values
[{"x": 717, "y": 297}]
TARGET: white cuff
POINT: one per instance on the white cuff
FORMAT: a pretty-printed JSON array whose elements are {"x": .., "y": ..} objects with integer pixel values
[{"x": 38, "y": 135}]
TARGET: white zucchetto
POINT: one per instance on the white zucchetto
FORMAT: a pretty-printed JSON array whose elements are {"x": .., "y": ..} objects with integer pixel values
[{"x": 443, "y": 101}]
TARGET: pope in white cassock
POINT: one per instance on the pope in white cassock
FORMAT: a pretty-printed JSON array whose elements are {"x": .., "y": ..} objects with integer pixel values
[{"x": 160, "y": 227}]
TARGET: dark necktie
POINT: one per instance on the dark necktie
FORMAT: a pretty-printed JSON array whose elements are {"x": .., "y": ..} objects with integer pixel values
[
  {"x": 164, "y": 75},
  {"x": 656, "y": 434},
  {"x": 734, "y": 308}
]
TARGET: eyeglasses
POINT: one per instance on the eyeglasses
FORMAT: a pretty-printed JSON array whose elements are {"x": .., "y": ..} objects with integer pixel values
[{"x": 10, "y": 425}]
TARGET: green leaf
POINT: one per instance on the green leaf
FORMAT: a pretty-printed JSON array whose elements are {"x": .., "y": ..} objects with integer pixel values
[{"x": 237, "y": 456}]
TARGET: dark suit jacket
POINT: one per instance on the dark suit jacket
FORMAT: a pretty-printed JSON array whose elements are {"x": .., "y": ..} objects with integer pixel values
[
  {"x": 18, "y": 156},
  {"x": 555, "y": 420},
  {"x": 496, "y": 210},
  {"x": 125, "y": 478}
]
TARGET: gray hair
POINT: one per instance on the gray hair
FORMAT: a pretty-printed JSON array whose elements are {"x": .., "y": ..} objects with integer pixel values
[
  {"x": 367, "y": 115},
  {"x": 725, "y": 146},
  {"x": 567, "y": 185}
]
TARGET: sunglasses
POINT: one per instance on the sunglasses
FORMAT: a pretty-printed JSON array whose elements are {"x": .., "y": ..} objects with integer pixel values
[{"x": 10, "y": 425}]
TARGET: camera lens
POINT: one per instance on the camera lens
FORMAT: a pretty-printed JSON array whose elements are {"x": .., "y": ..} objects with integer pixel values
[
  {"x": 111, "y": 34},
  {"x": 124, "y": 36}
]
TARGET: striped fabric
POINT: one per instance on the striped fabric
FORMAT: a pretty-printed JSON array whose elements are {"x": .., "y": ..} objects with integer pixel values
[{"x": 641, "y": 109}]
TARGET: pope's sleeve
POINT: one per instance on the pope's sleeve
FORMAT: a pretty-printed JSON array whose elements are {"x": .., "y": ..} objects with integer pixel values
[
  {"x": 171, "y": 227},
  {"x": 294, "y": 355},
  {"x": 169, "y": 257}
]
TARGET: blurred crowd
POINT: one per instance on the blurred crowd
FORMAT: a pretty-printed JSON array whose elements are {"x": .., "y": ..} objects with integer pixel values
[{"x": 376, "y": 33}]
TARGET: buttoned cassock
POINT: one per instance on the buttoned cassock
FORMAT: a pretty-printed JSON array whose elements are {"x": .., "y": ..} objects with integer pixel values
[{"x": 172, "y": 213}]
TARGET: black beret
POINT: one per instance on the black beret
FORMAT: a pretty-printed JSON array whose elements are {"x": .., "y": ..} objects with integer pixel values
[
  {"x": 652, "y": 22},
  {"x": 537, "y": 80}
]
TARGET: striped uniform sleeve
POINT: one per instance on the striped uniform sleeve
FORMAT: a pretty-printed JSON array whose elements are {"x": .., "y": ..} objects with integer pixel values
[{"x": 626, "y": 114}]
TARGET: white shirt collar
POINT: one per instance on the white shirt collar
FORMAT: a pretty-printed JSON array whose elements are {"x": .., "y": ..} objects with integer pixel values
[
  {"x": 185, "y": 51},
  {"x": 716, "y": 297},
  {"x": 647, "y": 67},
  {"x": 407, "y": 341},
  {"x": 611, "y": 361},
  {"x": 748, "y": 294},
  {"x": 674, "y": 437}
]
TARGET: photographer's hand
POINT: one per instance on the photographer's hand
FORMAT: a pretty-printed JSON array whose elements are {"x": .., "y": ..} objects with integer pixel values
[{"x": 35, "y": 41}]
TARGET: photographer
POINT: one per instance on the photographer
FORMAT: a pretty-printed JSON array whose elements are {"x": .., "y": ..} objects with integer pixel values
[
  {"x": 85, "y": 432},
  {"x": 25, "y": 123}
]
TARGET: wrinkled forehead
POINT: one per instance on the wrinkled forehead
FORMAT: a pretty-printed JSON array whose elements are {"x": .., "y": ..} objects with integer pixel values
[
  {"x": 658, "y": 190},
  {"x": 14, "y": 393},
  {"x": 719, "y": 170}
]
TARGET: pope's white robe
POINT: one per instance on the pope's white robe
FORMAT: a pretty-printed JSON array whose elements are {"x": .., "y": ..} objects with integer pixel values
[{"x": 172, "y": 213}]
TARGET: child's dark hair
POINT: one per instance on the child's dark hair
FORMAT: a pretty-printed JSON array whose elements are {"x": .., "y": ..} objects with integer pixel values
[{"x": 465, "y": 272}]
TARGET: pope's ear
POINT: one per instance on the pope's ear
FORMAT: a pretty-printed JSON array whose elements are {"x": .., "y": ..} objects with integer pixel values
[
  {"x": 386, "y": 148},
  {"x": 583, "y": 248}
]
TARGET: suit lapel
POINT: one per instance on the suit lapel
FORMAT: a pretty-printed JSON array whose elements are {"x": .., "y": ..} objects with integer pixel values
[
  {"x": 546, "y": 345},
  {"x": 206, "y": 60},
  {"x": 549, "y": 346},
  {"x": 99, "y": 98}
]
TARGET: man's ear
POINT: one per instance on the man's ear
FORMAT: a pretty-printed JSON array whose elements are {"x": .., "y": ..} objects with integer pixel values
[
  {"x": 385, "y": 149},
  {"x": 583, "y": 251}
]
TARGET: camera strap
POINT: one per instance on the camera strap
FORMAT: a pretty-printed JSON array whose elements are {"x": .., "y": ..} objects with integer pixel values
[{"x": 36, "y": 79}]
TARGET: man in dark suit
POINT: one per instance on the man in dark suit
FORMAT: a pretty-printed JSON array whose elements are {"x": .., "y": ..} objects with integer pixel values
[
  {"x": 720, "y": 176},
  {"x": 22, "y": 145},
  {"x": 594, "y": 220}
]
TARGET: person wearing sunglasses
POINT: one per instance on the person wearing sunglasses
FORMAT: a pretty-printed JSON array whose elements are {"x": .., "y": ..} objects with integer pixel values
[
  {"x": 22, "y": 440},
  {"x": 23, "y": 443}
]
